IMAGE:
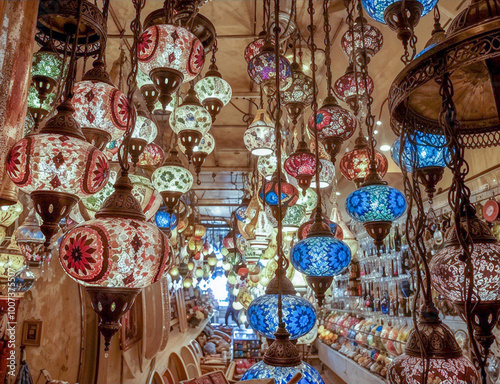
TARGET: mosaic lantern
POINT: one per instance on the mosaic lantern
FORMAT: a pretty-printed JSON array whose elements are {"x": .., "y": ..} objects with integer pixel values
[
  {"x": 172, "y": 180},
  {"x": 262, "y": 70},
  {"x": 443, "y": 362},
  {"x": 298, "y": 314},
  {"x": 170, "y": 55},
  {"x": 326, "y": 174},
  {"x": 46, "y": 71},
  {"x": 190, "y": 121},
  {"x": 283, "y": 375},
  {"x": 379, "y": 9},
  {"x": 57, "y": 167},
  {"x": 255, "y": 47},
  {"x": 334, "y": 125},
  {"x": 376, "y": 206},
  {"x": 351, "y": 88},
  {"x": 355, "y": 164},
  {"x": 298, "y": 95},
  {"x": 101, "y": 109},
  {"x": 426, "y": 154},
  {"x": 115, "y": 255},
  {"x": 309, "y": 200},
  {"x": 260, "y": 137},
  {"x": 213, "y": 91},
  {"x": 269, "y": 195},
  {"x": 144, "y": 133},
  {"x": 294, "y": 217},
  {"x": 301, "y": 165},
  {"x": 368, "y": 40},
  {"x": 30, "y": 239}
]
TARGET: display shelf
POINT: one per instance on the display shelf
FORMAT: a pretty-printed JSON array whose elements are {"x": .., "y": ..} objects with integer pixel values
[{"x": 345, "y": 368}]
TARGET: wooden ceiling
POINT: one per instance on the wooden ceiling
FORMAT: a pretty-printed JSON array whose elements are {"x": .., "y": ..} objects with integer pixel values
[{"x": 238, "y": 22}]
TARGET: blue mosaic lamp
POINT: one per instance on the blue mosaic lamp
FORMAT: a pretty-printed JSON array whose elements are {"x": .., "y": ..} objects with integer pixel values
[
  {"x": 165, "y": 220},
  {"x": 282, "y": 375},
  {"x": 379, "y": 9},
  {"x": 427, "y": 155},
  {"x": 298, "y": 314},
  {"x": 376, "y": 205}
]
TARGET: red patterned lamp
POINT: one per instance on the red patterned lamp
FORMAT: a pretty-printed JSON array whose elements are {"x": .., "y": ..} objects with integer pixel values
[
  {"x": 355, "y": 164},
  {"x": 56, "y": 167},
  {"x": 170, "y": 55},
  {"x": 301, "y": 165},
  {"x": 351, "y": 88}
]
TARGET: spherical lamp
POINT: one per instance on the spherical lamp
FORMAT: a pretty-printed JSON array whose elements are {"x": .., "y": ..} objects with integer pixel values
[
  {"x": 355, "y": 164},
  {"x": 190, "y": 121},
  {"x": 260, "y": 137},
  {"x": 170, "y": 55},
  {"x": 326, "y": 174},
  {"x": 298, "y": 95},
  {"x": 334, "y": 125},
  {"x": 367, "y": 40},
  {"x": 301, "y": 165},
  {"x": 262, "y": 70},
  {"x": 283, "y": 375},
  {"x": 101, "y": 109},
  {"x": 172, "y": 180},
  {"x": 294, "y": 217},
  {"x": 213, "y": 91},
  {"x": 57, "y": 167},
  {"x": 269, "y": 195},
  {"x": 351, "y": 88},
  {"x": 144, "y": 133},
  {"x": 376, "y": 205},
  {"x": 30, "y": 239},
  {"x": 201, "y": 151},
  {"x": 148, "y": 90},
  {"x": 8, "y": 214},
  {"x": 426, "y": 154}
]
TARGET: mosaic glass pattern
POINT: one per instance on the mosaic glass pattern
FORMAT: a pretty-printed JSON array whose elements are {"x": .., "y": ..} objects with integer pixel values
[
  {"x": 170, "y": 106},
  {"x": 282, "y": 375},
  {"x": 334, "y": 228},
  {"x": 346, "y": 88},
  {"x": 34, "y": 100},
  {"x": 269, "y": 193},
  {"x": 262, "y": 68},
  {"x": 300, "y": 164},
  {"x": 298, "y": 314},
  {"x": 375, "y": 203},
  {"x": 300, "y": 91},
  {"x": 421, "y": 150},
  {"x": 165, "y": 220},
  {"x": 406, "y": 369},
  {"x": 46, "y": 63},
  {"x": 101, "y": 106},
  {"x": 355, "y": 164},
  {"x": 369, "y": 39},
  {"x": 294, "y": 217},
  {"x": 143, "y": 79},
  {"x": 168, "y": 46},
  {"x": 333, "y": 121},
  {"x": 376, "y": 8},
  {"x": 213, "y": 87},
  {"x": 326, "y": 174},
  {"x": 448, "y": 271},
  {"x": 172, "y": 178},
  {"x": 254, "y": 48},
  {"x": 30, "y": 238},
  {"x": 58, "y": 163},
  {"x": 115, "y": 252},
  {"x": 320, "y": 256},
  {"x": 190, "y": 117},
  {"x": 145, "y": 129},
  {"x": 309, "y": 201},
  {"x": 260, "y": 137}
]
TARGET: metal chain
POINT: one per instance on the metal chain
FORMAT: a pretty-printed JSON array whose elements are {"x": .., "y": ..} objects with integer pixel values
[
  {"x": 459, "y": 201},
  {"x": 328, "y": 59},
  {"x": 136, "y": 28},
  {"x": 70, "y": 81}
]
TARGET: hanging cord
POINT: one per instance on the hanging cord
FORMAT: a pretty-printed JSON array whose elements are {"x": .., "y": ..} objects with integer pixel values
[
  {"x": 70, "y": 81},
  {"x": 459, "y": 200},
  {"x": 328, "y": 59},
  {"x": 105, "y": 12},
  {"x": 350, "y": 23},
  {"x": 279, "y": 237},
  {"x": 136, "y": 28},
  {"x": 314, "y": 104},
  {"x": 370, "y": 118}
]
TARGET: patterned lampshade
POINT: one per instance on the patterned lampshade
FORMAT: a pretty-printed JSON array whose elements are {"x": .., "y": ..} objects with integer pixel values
[{"x": 377, "y": 8}]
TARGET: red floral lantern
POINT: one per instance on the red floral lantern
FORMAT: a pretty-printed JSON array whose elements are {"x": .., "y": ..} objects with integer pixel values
[
  {"x": 351, "y": 88},
  {"x": 301, "y": 165},
  {"x": 355, "y": 164},
  {"x": 56, "y": 167},
  {"x": 327, "y": 224},
  {"x": 270, "y": 192},
  {"x": 334, "y": 125}
]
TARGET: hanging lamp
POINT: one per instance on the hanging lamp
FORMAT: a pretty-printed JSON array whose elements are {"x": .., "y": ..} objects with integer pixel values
[
  {"x": 260, "y": 137},
  {"x": 148, "y": 90},
  {"x": 301, "y": 165},
  {"x": 350, "y": 88},
  {"x": 190, "y": 121},
  {"x": 355, "y": 164},
  {"x": 213, "y": 91},
  {"x": 170, "y": 55},
  {"x": 423, "y": 153},
  {"x": 362, "y": 41},
  {"x": 172, "y": 180},
  {"x": 205, "y": 147}
]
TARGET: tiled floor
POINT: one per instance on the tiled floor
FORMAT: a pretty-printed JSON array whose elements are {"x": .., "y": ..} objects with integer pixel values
[{"x": 329, "y": 376}]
